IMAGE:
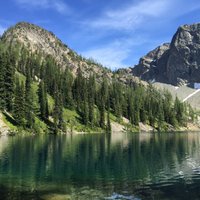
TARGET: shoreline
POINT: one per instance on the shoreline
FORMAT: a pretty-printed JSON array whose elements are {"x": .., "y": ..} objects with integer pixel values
[{"x": 15, "y": 133}]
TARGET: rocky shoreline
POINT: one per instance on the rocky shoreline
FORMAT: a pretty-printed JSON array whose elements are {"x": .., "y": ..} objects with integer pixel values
[{"x": 142, "y": 128}]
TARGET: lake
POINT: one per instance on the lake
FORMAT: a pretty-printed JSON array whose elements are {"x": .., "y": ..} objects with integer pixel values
[{"x": 101, "y": 166}]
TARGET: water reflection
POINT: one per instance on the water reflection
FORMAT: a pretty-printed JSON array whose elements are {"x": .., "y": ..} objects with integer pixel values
[{"x": 150, "y": 166}]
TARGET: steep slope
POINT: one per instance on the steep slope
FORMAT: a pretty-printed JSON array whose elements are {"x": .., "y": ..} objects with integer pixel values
[
  {"x": 183, "y": 63},
  {"x": 48, "y": 87},
  {"x": 147, "y": 68},
  {"x": 39, "y": 40},
  {"x": 184, "y": 93},
  {"x": 176, "y": 63}
]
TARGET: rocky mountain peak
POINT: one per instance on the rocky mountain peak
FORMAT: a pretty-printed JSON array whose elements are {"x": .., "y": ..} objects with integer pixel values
[
  {"x": 183, "y": 64},
  {"x": 175, "y": 63},
  {"x": 38, "y": 40},
  {"x": 147, "y": 64},
  {"x": 31, "y": 35}
]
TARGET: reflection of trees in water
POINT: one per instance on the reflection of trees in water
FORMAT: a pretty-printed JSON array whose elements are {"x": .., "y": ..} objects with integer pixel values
[
  {"x": 94, "y": 159},
  {"x": 3, "y": 144}
]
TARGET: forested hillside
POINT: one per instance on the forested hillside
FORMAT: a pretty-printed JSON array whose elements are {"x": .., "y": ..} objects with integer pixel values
[
  {"x": 43, "y": 90},
  {"x": 38, "y": 95}
]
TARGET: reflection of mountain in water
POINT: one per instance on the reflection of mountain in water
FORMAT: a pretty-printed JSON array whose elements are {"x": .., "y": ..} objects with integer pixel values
[{"x": 137, "y": 164}]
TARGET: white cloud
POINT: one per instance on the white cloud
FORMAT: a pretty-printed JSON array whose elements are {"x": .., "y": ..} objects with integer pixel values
[
  {"x": 136, "y": 21},
  {"x": 61, "y": 7},
  {"x": 114, "y": 54},
  {"x": 135, "y": 15},
  {"x": 131, "y": 16},
  {"x": 57, "y": 5},
  {"x": 108, "y": 56}
]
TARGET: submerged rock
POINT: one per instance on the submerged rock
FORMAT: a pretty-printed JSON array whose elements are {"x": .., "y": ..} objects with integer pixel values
[
  {"x": 56, "y": 197},
  {"x": 121, "y": 197}
]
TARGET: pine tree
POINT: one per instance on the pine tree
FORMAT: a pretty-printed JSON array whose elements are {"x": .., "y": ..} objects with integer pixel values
[
  {"x": 9, "y": 83},
  {"x": 84, "y": 110},
  {"x": 67, "y": 89},
  {"x": 102, "y": 102},
  {"x": 19, "y": 104},
  {"x": 102, "y": 115},
  {"x": 108, "y": 124},
  {"x": 2, "y": 82},
  {"x": 160, "y": 114},
  {"x": 58, "y": 112},
  {"x": 191, "y": 113},
  {"x": 91, "y": 98},
  {"x": 29, "y": 110},
  {"x": 43, "y": 102},
  {"x": 179, "y": 111},
  {"x": 143, "y": 116},
  {"x": 130, "y": 106}
]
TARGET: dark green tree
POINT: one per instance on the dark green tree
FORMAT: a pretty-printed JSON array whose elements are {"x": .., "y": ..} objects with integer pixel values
[
  {"x": 179, "y": 111},
  {"x": 43, "y": 102},
  {"x": 2, "y": 82},
  {"x": 91, "y": 99},
  {"x": 29, "y": 108},
  {"x": 59, "y": 123},
  {"x": 108, "y": 124},
  {"x": 9, "y": 83},
  {"x": 19, "y": 104},
  {"x": 67, "y": 89}
]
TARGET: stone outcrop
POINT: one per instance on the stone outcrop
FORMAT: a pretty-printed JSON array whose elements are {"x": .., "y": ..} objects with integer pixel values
[
  {"x": 38, "y": 40},
  {"x": 176, "y": 63},
  {"x": 148, "y": 69},
  {"x": 183, "y": 63}
]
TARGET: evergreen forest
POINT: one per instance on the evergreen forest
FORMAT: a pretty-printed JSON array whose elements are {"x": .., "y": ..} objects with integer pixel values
[{"x": 39, "y": 95}]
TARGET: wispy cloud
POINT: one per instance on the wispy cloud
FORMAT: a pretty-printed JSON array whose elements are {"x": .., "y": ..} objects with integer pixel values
[
  {"x": 124, "y": 21},
  {"x": 108, "y": 56},
  {"x": 57, "y": 5},
  {"x": 61, "y": 7},
  {"x": 114, "y": 54},
  {"x": 134, "y": 15},
  {"x": 135, "y": 20},
  {"x": 130, "y": 16}
]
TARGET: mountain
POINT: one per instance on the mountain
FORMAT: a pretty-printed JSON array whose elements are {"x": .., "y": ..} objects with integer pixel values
[
  {"x": 47, "y": 87},
  {"x": 177, "y": 63},
  {"x": 151, "y": 66},
  {"x": 38, "y": 40}
]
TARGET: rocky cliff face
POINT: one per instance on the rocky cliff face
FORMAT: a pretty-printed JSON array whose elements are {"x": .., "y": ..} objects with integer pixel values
[
  {"x": 148, "y": 69},
  {"x": 183, "y": 63},
  {"x": 38, "y": 40},
  {"x": 175, "y": 63}
]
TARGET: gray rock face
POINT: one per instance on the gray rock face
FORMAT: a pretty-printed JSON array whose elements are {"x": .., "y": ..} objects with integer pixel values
[
  {"x": 175, "y": 63},
  {"x": 148, "y": 69},
  {"x": 38, "y": 40}
]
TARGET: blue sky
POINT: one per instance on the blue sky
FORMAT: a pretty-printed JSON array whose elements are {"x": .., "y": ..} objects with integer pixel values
[{"x": 114, "y": 32}]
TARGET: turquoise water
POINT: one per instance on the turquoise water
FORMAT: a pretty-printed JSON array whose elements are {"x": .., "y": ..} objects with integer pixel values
[{"x": 99, "y": 166}]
